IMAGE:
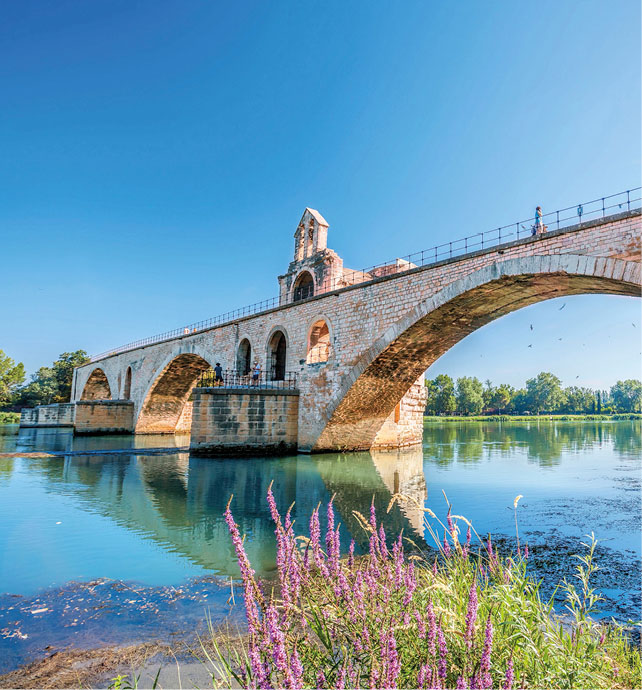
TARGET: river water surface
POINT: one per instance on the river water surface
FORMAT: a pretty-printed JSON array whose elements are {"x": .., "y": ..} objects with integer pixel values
[{"x": 106, "y": 543}]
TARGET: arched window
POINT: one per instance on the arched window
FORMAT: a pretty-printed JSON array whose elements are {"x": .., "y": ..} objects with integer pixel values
[
  {"x": 244, "y": 357},
  {"x": 277, "y": 351},
  {"x": 319, "y": 346},
  {"x": 304, "y": 287},
  {"x": 127, "y": 391}
]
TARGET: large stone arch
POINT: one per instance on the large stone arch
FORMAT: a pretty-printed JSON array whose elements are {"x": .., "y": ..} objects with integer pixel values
[
  {"x": 370, "y": 391},
  {"x": 166, "y": 397},
  {"x": 97, "y": 386}
]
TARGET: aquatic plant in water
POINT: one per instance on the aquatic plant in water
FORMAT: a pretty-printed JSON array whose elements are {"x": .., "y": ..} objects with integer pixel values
[{"x": 468, "y": 619}]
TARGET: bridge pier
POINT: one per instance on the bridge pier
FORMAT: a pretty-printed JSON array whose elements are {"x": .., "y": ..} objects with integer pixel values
[{"x": 244, "y": 421}]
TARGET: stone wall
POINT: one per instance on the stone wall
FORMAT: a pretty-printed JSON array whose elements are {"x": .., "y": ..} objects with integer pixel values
[
  {"x": 405, "y": 425},
  {"x": 48, "y": 415},
  {"x": 243, "y": 421},
  {"x": 104, "y": 416}
]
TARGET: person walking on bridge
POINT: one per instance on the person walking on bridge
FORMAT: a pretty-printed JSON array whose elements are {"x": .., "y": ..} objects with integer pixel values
[{"x": 218, "y": 374}]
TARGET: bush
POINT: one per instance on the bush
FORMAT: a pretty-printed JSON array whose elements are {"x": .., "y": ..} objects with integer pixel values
[
  {"x": 9, "y": 417},
  {"x": 465, "y": 618}
]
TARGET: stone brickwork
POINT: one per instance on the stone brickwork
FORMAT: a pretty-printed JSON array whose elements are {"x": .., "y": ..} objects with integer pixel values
[
  {"x": 405, "y": 424},
  {"x": 383, "y": 334},
  {"x": 49, "y": 415},
  {"x": 104, "y": 416},
  {"x": 244, "y": 421}
]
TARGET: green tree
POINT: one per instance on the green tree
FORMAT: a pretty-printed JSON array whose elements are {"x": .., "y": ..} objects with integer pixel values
[
  {"x": 579, "y": 400},
  {"x": 488, "y": 393},
  {"x": 502, "y": 396},
  {"x": 445, "y": 398},
  {"x": 52, "y": 384},
  {"x": 627, "y": 395},
  {"x": 519, "y": 402},
  {"x": 12, "y": 375},
  {"x": 431, "y": 397},
  {"x": 470, "y": 395},
  {"x": 545, "y": 392}
]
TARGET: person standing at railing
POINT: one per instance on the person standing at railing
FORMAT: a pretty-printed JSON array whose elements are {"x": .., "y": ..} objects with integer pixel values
[
  {"x": 539, "y": 227},
  {"x": 256, "y": 373},
  {"x": 218, "y": 374}
]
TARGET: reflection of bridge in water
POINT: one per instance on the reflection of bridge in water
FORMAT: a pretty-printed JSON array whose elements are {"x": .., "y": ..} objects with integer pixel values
[{"x": 177, "y": 500}]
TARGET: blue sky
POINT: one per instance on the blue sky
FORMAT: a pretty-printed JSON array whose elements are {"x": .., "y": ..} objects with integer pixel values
[{"x": 156, "y": 157}]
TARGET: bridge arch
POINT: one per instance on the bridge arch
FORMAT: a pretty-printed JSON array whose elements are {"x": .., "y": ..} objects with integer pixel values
[
  {"x": 127, "y": 388},
  {"x": 369, "y": 392},
  {"x": 244, "y": 357},
  {"x": 276, "y": 354},
  {"x": 303, "y": 286},
  {"x": 97, "y": 386},
  {"x": 169, "y": 392},
  {"x": 319, "y": 341}
]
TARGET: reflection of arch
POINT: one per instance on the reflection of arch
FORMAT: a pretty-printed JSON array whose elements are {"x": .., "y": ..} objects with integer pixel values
[
  {"x": 127, "y": 390},
  {"x": 319, "y": 346},
  {"x": 244, "y": 357},
  {"x": 303, "y": 286},
  {"x": 277, "y": 355},
  {"x": 166, "y": 398},
  {"x": 387, "y": 369},
  {"x": 97, "y": 387}
]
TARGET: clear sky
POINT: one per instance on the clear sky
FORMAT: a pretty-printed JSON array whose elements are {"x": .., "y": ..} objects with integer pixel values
[{"x": 157, "y": 156}]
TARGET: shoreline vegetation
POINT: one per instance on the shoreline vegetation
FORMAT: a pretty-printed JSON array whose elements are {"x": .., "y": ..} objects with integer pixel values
[
  {"x": 463, "y": 616},
  {"x": 432, "y": 419}
]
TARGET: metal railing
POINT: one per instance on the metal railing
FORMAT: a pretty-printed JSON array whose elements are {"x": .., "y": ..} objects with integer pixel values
[
  {"x": 578, "y": 214},
  {"x": 230, "y": 378}
]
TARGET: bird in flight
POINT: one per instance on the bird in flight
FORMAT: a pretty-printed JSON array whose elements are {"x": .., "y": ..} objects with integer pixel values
[
  {"x": 531, "y": 345},
  {"x": 562, "y": 307},
  {"x": 531, "y": 327}
]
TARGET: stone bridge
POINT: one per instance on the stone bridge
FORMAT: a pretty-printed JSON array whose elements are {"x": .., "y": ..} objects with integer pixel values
[{"x": 358, "y": 342}]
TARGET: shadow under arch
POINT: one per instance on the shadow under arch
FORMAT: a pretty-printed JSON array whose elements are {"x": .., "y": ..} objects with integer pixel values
[
  {"x": 164, "y": 402},
  {"x": 97, "y": 386},
  {"x": 385, "y": 372}
]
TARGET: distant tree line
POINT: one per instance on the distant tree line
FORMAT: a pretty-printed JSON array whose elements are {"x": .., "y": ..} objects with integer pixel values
[
  {"x": 48, "y": 385},
  {"x": 542, "y": 394}
]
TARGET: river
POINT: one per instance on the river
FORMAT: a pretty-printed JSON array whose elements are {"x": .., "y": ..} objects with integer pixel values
[{"x": 106, "y": 543}]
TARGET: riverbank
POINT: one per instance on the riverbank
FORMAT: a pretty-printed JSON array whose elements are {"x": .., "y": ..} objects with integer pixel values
[
  {"x": 9, "y": 417},
  {"x": 436, "y": 419}
]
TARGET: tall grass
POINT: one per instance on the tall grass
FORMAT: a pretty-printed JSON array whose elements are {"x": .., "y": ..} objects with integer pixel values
[{"x": 463, "y": 618}]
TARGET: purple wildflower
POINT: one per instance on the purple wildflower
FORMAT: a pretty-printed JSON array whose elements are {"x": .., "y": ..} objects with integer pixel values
[
  {"x": 446, "y": 546},
  {"x": 526, "y": 551},
  {"x": 461, "y": 683},
  {"x": 432, "y": 628},
  {"x": 421, "y": 628},
  {"x": 484, "y": 666},
  {"x": 451, "y": 524},
  {"x": 329, "y": 535},
  {"x": 351, "y": 554},
  {"x": 340, "y": 682},
  {"x": 443, "y": 653},
  {"x": 471, "y": 614},
  {"x": 468, "y": 536},
  {"x": 391, "y": 662},
  {"x": 277, "y": 640},
  {"x": 510, "y": 675},
  {"x": 423, "y": 676},
  {"x": 321, "y": 681},
  {"x": 374, "y": 677},
  {"x": 297, "y": 669}
]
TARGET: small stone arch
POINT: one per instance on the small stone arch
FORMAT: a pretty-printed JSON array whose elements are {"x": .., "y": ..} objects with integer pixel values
[
  {"x": 244, "y": 357},
  {"x": 319, "y": 342},
  {"x": 127, "y": 389},
  {"x": 303, "y": 286},
  {"x": 276, "y": 355},
  {"x": 97, "y": 386}
]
